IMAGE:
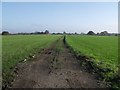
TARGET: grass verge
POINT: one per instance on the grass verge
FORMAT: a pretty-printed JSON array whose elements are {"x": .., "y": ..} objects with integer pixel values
[{"x": 97, "y": 54}]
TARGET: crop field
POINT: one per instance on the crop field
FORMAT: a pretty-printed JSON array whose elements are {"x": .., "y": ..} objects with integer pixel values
[
  {"x": 17, "y": 48},
  {"x": 103, "y": 50}
]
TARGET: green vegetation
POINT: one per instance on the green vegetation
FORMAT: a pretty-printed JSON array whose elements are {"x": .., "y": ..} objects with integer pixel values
[
  {"x": 16, "y": 48},
  {"x": 103, "y": 51},
  {"x": 0, "y": 61}
]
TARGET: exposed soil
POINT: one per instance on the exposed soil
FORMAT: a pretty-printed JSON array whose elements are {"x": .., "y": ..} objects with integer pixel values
[{"x": 55, "y": 67}]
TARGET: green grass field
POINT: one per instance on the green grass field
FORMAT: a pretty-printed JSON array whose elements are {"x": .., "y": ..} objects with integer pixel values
[
  {"x": 16, "y": 48},
  {"x": 104, "y": 50}
]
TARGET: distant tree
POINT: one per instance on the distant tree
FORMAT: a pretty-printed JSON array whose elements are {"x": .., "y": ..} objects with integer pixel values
[
  {"x": 98, "y": 33},
  {"x": 31, "y": 33},
  {"x": 116, "y": 34},
  {"x": 75, "y": 32},
  {"x": 38, "y": 32},
  {"x": 46, "y": 32},
  {"x": 53, "y": 33},
  {"x": 90, "y": 33},
  {"x": 41, "y": 32},
  {"x": 64, "y": 32},
  {"x": 5, "y": 33}
]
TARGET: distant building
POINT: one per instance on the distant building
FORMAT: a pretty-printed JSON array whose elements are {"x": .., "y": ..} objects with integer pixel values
[
  {"x": 104, "y": 33},
  {"x": 46, "y": 32},
  {"x": 90, "y": 33}
]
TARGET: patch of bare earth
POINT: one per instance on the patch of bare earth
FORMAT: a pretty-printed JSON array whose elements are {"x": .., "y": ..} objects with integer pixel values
[{"x": 55, "y": 69}]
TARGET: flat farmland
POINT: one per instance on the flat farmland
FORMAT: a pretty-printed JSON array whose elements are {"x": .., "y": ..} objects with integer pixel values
[
  {"x": 103, "y": 50},
  {"x": 46, "y": 61},
  {"x": 16, "y": 48}
]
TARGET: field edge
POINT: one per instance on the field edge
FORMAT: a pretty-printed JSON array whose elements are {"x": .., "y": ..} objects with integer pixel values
[{"x": 88, "y": 63}]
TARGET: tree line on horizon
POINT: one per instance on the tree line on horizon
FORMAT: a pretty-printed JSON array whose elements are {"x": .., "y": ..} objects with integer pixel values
[
  {"x": 104, "y": 33},
  {"x": 22, "y": 33}
]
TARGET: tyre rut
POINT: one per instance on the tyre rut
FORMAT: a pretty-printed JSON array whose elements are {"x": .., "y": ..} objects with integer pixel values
[{"x": 55, "y": 67}]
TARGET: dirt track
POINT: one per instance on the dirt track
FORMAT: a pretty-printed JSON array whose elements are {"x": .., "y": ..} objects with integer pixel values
[{"x": 55, "y": 67}]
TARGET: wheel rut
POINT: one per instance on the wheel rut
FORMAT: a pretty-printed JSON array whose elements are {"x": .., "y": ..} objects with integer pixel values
[{"x": 55, "y": 67}]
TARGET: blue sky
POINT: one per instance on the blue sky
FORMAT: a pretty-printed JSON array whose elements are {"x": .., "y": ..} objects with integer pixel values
[
  {"x": 0, "y": 16},
  {"x": 59, "y": 17}
]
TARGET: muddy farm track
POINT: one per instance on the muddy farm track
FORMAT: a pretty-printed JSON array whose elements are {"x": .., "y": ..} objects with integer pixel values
[{"x": 55, "y": 67}]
